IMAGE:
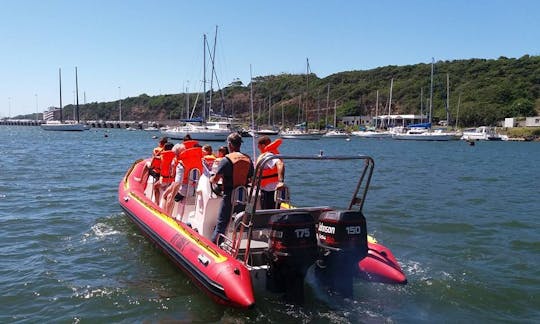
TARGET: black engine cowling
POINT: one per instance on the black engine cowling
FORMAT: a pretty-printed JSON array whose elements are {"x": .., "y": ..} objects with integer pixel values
[
  {"x": 292, "y": 250},
  {"x": 342, "y": 238}
]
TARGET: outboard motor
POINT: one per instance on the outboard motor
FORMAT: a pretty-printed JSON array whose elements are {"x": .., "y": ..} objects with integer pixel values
[
  {"x": 342, "y": 238},
  {"x": 292, "y": 249}
]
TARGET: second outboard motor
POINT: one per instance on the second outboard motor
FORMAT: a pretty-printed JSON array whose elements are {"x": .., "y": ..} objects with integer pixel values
[
  {"x": 292, "y": 249},
  {"x": 342, "y": 238}
]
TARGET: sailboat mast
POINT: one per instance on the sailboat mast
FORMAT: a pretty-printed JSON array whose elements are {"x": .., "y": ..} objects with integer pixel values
[
  {"x": 447, "y": 98},
  {"x": 431, "y": 92},
  {"x": 390, "y": 101},
  {"x": 422, "y": 104},
  {"x": 77, "y": 93},
  {"x": 376, "y": 108},
  {"x": 269, "y": 109},
  {"x": 60, "y": 83},
  {"x": 327, "y": 106},
  {"x": 335, "y": 113},
  {"x": 212, "y": 57},
  {"x": 457, "y": 114},
  {"x": 307, "y": 92},
  {"x": 204, "y": 79}
]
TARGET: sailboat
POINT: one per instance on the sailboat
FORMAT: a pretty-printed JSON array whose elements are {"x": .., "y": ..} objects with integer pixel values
[
  {"x": 423, "y": 131},
  {"x": 60, "y": 125},
  {"x": 301, "y": 130},
  {"x": 335, "y": 133},
  {"x": 374, "y": 133},
  {"x": 270, "y": 130},
  {"x": 202, "y": 129}
]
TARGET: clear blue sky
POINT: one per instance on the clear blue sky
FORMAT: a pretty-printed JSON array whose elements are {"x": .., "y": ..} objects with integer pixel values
[{"x": 125, "y": 48}]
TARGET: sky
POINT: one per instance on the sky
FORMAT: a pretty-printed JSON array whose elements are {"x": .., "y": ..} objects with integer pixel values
[{"x": 124, "y": 48}]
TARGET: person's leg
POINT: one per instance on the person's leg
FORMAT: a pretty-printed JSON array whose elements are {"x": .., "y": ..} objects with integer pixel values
[
  {"x": 267, "y": 200},
  {"x": 223, "y": 217}
]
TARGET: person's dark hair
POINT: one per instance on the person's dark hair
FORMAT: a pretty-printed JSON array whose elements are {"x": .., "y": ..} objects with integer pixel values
[
  {"x": 168, "y": 146},
  {"x": 264, "y": 140},
  {"x": 187, "y": 137},
  {"x": 223, "y": 150},
  {"x": 235, "y": 140},
  {"x": 207, "y": 148},
  {"x": 163, "y": 140}
]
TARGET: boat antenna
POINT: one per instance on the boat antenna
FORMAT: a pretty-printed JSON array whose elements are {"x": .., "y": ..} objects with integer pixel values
[
  {"x": 431, "y": 92},
  {"x": 60, "y": 83},
  {"x": 77, "y": 94},
  {"x": 252, "y": 113},
  {"x": 204, "y": 79}
]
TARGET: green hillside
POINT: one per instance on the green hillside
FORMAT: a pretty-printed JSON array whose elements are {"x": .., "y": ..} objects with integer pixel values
[{"x": 487, "y": 91}]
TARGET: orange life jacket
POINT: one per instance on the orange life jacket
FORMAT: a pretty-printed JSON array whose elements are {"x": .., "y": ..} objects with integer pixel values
[
  {"x": 241, "y": 165},
  {"x": 208, "y": 161},
  {"x": 273, "y": 147},
  {"x": 166, "y": 169},
  {"x": 191, "y": 159},
  {"x": 270, "y": 175},
  {"x": 155, "y": 163}
]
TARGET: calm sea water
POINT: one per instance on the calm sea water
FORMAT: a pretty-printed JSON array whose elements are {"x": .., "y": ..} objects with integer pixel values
[{"x": 462, "y": 220}]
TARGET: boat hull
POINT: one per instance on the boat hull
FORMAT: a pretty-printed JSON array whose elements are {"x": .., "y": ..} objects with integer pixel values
[
  {"x": 371, "y": 134},
  {"x": 220, "y": 136},
  {"x": 223, "y": 278},
  {"x": 300, "y": 136},
  {"x": 380, "y": 265},
  {"x": 63, "y": 127},
  {"x": 425, "y": 137}
]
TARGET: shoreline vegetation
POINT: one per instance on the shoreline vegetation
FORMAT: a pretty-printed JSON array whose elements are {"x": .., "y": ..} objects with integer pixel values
[{"x": 480, "y": 92}]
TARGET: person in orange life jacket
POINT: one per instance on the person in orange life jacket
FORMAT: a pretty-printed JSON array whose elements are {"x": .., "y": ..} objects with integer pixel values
[
  {"x": 235, "y": 169},
  {"x": 178, "y": 148},
  {"x": 208, "y": 157},
  {"x": 183, "y": 163},
  {"x": 273, "y": 172},
  {"x": 222, "y": 151},
  {"x": 181, "y": 174},
  {"x": 166, "y": 175},
  {"x": 152, "y": 167},
  {"x": 187, "y": 142}
]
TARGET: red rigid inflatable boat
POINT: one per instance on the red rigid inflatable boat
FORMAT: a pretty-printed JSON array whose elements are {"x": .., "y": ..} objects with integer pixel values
[
  {"x": 268, "y": 249},
  {"x": 222, "y": 277}
]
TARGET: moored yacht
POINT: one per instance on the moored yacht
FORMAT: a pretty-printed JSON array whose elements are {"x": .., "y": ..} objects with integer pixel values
[{"x": 482, "y": 133}]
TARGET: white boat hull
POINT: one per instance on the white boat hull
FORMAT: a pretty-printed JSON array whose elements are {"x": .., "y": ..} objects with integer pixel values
[
  {"x": 197, "y": 135},
  {"x": 216, "y": 131},
  {"x": 482, "y": 133},
  {"x": 63, "y": 127},
  {"x": 425, "y": 137},
  {"x": 371, "y": 134},
  {"x": 306, "y": 136},
  {"x": 335, "y": 134}
]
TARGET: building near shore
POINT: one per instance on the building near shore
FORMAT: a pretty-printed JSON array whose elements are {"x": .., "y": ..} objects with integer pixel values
[
  {"x": 522, "y": 122},
  {"x": 384, "y": 121}
]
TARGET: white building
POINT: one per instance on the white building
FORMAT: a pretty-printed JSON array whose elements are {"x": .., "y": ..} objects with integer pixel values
[{"x": 522, "y": 122}]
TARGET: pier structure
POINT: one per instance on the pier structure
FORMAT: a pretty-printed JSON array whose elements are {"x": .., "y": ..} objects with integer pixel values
[{"x": 92, "y": 123}]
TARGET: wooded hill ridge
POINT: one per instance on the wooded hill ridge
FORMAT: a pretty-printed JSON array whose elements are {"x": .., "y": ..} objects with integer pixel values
[{"x": 486, "y": 91}]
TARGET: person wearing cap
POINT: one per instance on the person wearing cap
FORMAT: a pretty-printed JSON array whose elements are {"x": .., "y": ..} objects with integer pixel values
[{"x": 235, "y": 169}]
